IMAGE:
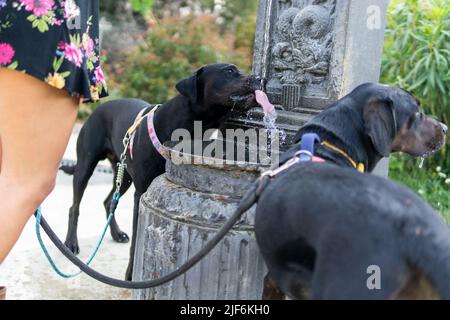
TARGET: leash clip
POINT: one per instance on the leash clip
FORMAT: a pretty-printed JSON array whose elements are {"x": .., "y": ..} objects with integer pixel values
[
  {"x": 273, "y": 172},
  {"x": 304, "y": 155}
]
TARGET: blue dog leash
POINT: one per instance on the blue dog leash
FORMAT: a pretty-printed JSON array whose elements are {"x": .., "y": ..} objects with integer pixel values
[
  {"x": 113, "y": 206},
  {"x": 112, "y": 209}
]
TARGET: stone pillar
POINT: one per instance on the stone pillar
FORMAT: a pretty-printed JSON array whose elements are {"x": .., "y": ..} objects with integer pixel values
[
  {"x": 313, "y": 52},
  {"x": 181, "y": 211}
]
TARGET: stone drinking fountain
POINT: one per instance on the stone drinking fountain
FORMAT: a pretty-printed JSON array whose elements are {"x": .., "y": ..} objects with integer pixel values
[{"x": 311, "y": 53}]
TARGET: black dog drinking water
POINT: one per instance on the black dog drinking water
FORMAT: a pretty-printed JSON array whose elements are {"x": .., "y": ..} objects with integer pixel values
[
  {"x": 323, "y": 227},
  {"x": 208, "y": 96}
]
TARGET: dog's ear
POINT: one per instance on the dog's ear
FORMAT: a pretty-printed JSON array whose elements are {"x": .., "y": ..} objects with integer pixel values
[
  {"x": 379, "y": 122},
  {"x": 189, "y": 87}
]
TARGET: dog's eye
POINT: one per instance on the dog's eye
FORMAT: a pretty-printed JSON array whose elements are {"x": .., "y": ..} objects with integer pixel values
[
  {"x": 414, "y": 120},
  {"x": 230, "y": 70},
  {"x": 411, "y": 122}
]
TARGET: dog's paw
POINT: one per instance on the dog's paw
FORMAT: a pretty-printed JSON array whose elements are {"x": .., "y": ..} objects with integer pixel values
[
  {"x": 120, "y": 237},
  {"x": 73, "y": 246}
]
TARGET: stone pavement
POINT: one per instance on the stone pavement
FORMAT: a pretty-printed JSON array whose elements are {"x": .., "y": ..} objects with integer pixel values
[{"x": 27, "y": 273}]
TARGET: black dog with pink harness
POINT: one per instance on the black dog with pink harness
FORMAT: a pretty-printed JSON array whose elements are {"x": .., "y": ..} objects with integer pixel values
[{"x": 209, "y": 95}]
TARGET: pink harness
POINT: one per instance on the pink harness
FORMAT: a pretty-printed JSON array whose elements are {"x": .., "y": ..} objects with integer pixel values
[{"x": 151, "y": 132}]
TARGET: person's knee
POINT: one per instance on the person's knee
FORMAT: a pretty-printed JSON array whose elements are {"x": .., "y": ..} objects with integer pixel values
[
  {"x": 42, "y": 187},
  {"x": 33, "y": 189}
]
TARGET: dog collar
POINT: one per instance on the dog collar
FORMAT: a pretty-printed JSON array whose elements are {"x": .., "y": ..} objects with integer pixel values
[
  {"x": 151, "y": 131},
  {"x": 358, "y": 166},
  {"x": 306, "y": 152}
]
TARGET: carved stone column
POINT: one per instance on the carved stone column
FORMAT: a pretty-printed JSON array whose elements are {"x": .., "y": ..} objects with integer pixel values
[{"x": 312, "y": 52}]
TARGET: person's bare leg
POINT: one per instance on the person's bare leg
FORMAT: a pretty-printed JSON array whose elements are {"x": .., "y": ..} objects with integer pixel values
[
  {"x": 0, "y": 153},
  {"x": 35, "y": 125}
]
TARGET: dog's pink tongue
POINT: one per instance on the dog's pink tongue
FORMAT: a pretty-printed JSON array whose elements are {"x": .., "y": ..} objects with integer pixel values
[{"x": 263, "y": 101}]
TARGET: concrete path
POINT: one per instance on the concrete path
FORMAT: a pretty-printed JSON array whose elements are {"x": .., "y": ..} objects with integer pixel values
[{"x": 27, "y": 273}]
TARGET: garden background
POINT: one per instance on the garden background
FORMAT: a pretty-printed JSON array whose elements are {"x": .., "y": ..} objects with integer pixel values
[{"x": 148, "y": 45}]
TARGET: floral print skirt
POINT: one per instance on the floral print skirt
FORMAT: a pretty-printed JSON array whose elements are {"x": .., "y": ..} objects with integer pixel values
[{"x": 54, "y": 41}]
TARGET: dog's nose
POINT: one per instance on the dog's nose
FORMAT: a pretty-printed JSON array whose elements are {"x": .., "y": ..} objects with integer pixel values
[
  {"x": 444, "y": 128},
  {"x": 257, "y": 82},
  {"x": 261, "y": 82}
]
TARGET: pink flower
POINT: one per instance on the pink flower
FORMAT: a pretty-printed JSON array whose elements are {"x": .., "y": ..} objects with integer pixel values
[
  {"x": 61, "y": 45},
  {"x": 90, "y": 48},
  {"x": 88, "y": 45},
  {"x": 39, "y": 7},
  {"x": 73, "y": 54},
  {"x": 99, "y": 76},
  {"x": 6, "y": 53}
]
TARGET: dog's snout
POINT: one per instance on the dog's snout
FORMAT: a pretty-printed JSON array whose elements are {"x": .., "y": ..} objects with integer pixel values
[
  {"x": 256, "y": 82},
  {"x": 444, "y": 128},
  {"x": 259, "y": 83}
]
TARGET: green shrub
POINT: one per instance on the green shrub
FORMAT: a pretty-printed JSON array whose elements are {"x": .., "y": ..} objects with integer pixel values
[
  {"x": 173, "y": 50},
  {"x": 417, "y": 56},
  {"x": 431, "y": 183}
]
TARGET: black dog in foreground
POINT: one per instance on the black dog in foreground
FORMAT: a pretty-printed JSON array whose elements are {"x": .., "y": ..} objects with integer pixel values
[
  {"x": 325, "y": 228},
  {"x": 208, "y": 96}
]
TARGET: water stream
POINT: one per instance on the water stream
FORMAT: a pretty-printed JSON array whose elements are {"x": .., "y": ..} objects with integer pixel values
[{"x": 270, "y": 123}]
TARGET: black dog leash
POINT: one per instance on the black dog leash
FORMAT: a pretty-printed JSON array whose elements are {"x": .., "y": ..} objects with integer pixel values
[
  {"x": 247, "y": 202},
  {"x": 305, "y": 154}
]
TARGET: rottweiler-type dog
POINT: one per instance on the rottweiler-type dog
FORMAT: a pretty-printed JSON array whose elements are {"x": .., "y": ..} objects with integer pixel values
[
  {"x": 209, "y": 95},
  {"x": 324, "y": 228}
]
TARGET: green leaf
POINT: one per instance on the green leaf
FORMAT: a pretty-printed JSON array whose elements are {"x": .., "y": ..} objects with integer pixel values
[
  {"x": 431, "y": 77},
  {"x": 90, "y": 65},
  {"x": 438, "y": 56},
  {"x": 48, "y": 18},
  {"x": 42, "y": 26},
  {"x": 422, "y": 80},
  {"x": 142, "y": 6},
  {"x": 429, "y": 60},
  {"x": 31, "y": 18},
  {"x": 13, "y": 65},
  {"x": 440, "y": 85},
  {"x": 57, "y": 62},
  {"x": 100, "y": 87},
  {"x": 65, "y": 74}
]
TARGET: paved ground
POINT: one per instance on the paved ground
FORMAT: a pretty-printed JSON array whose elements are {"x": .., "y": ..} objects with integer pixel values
[{"x": 26, "y": 272}]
